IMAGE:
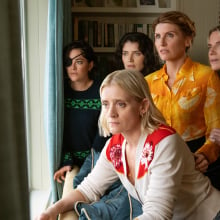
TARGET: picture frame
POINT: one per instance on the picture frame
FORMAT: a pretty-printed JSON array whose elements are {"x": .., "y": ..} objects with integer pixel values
[{"x": 147, "y": 3}]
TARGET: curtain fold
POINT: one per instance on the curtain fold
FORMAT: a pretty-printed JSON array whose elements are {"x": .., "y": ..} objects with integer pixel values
[
  {"x": 53, "y": 88},
  {"x": 14, "y": 197}
]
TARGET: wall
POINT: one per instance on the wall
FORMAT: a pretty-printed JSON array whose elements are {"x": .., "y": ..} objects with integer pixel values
[{"x": 205, "y": 15}]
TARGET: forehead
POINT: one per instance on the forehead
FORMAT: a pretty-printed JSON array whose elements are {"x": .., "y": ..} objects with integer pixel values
[
  {"x": 130, "y": 46},
  {"x": 113, "y": 91},
  {"x": 214, "y": 37},
  {"x": 75, "y": 52},
  {"x": 167, "y": 27}
]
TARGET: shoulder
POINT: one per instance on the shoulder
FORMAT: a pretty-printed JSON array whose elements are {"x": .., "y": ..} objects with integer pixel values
[
  {"x": 93, "y": 91},
  {"x": 151, "y": 75},
  {"x": 155, "y": 75},
  {"x": 202, "y": 69},
  {"x": 160, "y": 133}
]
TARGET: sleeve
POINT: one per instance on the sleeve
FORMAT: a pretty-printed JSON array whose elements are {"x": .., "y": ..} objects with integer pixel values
[
  {"x": 212, "y": 117},
  {"x": 100, "y": 179},
  {"x": 67, "y": 159},
  {"x": 165, "y": 176}
]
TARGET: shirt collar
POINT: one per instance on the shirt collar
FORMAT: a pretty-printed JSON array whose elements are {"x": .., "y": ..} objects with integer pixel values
[{"x": 185, "y": 71}]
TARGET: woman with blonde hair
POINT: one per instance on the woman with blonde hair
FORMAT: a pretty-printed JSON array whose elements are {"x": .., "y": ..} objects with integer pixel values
[{"x": 150, "y": 158}]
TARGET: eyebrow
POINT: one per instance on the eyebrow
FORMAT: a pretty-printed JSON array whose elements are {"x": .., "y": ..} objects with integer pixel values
[{"x": 217, "y": 42}]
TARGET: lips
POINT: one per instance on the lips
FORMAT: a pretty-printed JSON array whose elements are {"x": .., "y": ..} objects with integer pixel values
[
  {"x": 130, "y": 67},
  {"x": 113, "y": 123},
  {"x": 214, "y": 60},
  {"x": 163, "y": 51}
]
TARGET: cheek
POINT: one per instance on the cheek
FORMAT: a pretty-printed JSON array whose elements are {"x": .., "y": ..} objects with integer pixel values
[
  {"x": 123, "y": 59},
  {"x": 156, "y": 44}
]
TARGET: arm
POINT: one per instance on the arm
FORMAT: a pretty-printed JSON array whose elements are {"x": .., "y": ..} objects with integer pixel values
[
  {"x": 165, "y": 175},
  {"x": 63, "y": 205},
  {"x": 210, "y": 149},
  {"x": 215, "y": 135}
]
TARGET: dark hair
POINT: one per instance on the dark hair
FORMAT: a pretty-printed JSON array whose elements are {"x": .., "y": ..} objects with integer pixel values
[
  {"x": 186, "y": 25},
  {"x": 87, "y": 52},
  {"x": 146, "y": 46}
]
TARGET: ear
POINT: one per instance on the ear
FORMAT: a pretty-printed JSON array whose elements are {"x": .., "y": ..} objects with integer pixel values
[
  {"x": 91, "y": 65},
  {"x": 188, "y": 41},
  {"x": 144, "y": 106}
]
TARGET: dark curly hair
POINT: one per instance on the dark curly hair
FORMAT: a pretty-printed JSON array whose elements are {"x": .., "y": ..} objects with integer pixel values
[
  {"x": 87, "y": 52},
  {"x": 146, "y": 46}
]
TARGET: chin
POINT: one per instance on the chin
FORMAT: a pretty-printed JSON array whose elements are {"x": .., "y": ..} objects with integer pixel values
[{"x": 215, "y": 68}]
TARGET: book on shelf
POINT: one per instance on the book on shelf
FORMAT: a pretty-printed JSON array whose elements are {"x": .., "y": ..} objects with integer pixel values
[
  {"x": 101, "y": 34},
  {"x": 111, "y": 35},
  {"x": 83, "y": 30},
  {"x": 104, "y": 3}
]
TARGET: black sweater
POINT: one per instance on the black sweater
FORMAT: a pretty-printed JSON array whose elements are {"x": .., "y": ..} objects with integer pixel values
[{"x": 81, "y": 113}]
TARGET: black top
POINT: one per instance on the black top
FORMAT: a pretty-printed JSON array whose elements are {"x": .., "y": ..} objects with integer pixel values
[{"x": 81, "y": 113}]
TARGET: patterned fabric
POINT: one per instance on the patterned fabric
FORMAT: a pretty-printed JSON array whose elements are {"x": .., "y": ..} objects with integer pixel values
[
  {"x": 114, "y": 150},
  {"x": 192, "y": 105},
  {"x": 70, "y": 157},
  {"x": 81, "y": 133},
  {"x": 83, "y": 104}
]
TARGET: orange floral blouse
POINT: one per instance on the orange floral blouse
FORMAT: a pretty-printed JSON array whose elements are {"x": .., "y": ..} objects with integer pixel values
[{"x": 192, "y": 105}]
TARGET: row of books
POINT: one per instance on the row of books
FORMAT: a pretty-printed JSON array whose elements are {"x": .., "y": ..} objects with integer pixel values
[
  {"x": 104, "y": 3},
  {"x": 101, "y": 34}
]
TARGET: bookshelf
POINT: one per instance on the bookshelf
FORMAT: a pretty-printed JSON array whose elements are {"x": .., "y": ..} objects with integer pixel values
[{"x": 102, "y": 23}]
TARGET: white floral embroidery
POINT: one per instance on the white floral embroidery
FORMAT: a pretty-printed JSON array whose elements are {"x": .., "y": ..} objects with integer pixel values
[{"x": 147, "y": 155}]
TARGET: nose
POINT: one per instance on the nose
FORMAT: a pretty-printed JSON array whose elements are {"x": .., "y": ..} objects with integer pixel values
[
  {"x": 130, "y": 58},
  {"x": 73, "y": 64},
  {"x": 112, "y": 111},
  {"x": 211, "y": 50},
  {"x": 163, "y": 41}
]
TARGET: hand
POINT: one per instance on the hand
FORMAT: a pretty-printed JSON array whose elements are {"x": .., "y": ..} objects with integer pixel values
[
  {"x": 46, "y": 216},
  {"x": 59, "y": 175},
  {"x": 201, "y": 162},
  {"x": 215, "y": 136}
]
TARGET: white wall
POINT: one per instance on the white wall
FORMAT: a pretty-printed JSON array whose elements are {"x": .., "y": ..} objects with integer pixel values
[
  {"x": 205, "y": 15},
  {"x": 203, "y": 12},
  {"x": 36, "y": 44}
]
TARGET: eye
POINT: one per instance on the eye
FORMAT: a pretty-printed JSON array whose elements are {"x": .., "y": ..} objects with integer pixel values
[
  {"x": 79, "y": 62},
  {"x": 104, "y": 104},
  {"x": 121, "y": 104},
  {"x": 209, "y": 46},
  {"x": 67, "y": 62},
  {"x": 170, "y": 35},
  {"x": 124, "y": 53},
  {"x": 157, "y": 36},
  {"x": 138, "y": 53}
]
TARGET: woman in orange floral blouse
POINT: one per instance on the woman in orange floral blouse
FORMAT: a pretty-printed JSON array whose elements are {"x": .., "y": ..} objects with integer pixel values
[{"x": 185, "y": 91}]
